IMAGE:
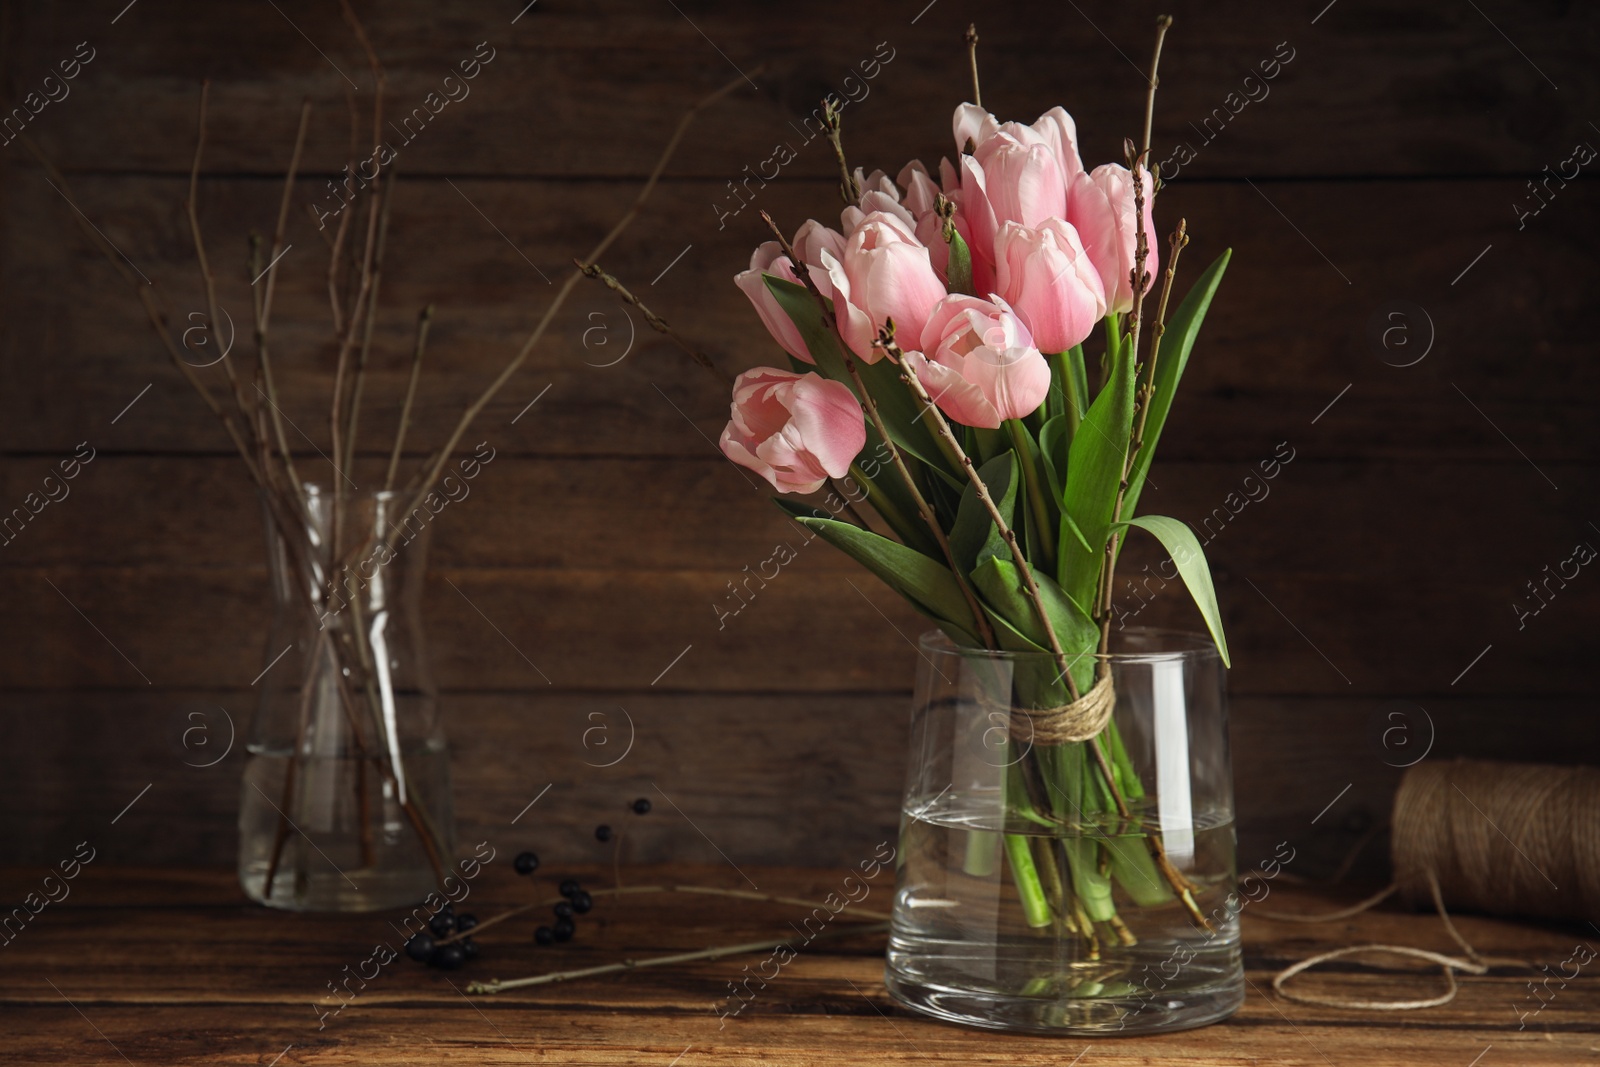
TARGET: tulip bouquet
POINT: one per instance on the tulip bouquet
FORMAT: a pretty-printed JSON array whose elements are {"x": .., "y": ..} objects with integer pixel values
[{"x": 943, "y": 326}]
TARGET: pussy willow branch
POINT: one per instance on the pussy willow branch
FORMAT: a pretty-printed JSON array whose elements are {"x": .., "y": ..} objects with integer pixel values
[
  {"x": 209, "y": 280},
  {"x": 848, "y": 188},
  {"x": 424, "y": 320},
  {"x": 364, "y": 304},
  {"x": 495, "y": 985},
  {"x": 335, "y": 261},
  {"x": 971, "y": 37},
  {"x": 985, "y": 631},
  {"x": 370, "y": 321},
  {"x": 1138, "y": 276},
  {"x": 1144, "y": 394},
  {"x": 264, "y": 315},
  {"x": 436, "y": 468},
  {"x": 660, "y": 325},
  {"x": 1163, "y": 24},
  {"x": 632, "y": 890}
]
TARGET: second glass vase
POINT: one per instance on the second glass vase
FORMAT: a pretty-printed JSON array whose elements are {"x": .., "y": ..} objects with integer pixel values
[{"x": 345, "y": 804}]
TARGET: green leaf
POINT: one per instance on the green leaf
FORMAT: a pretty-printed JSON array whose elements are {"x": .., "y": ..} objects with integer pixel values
[
  {"x": 958, "y": 272},
  {"x": 1184, "y": 548},
  {"x": 1176, "y": 344},
  {"x": 1071, "y": 527},
  {"x": 1000, "y": 584},
  {"x": 1095, "y": 463},
  {"x": 926, "y": 583},
  {"x": 974, "y": 537},
  {"x": 896, "y": 406},
  {"x": 878, "y": 468},
  {"x": 1055, "y": 436}
]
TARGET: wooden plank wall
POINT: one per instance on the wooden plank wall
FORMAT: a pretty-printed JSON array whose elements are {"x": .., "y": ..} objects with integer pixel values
[{"x": 1379, "y": 171}]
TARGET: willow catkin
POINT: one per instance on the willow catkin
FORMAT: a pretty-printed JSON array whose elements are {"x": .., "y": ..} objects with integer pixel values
[{"x": 1500, "y": 838}]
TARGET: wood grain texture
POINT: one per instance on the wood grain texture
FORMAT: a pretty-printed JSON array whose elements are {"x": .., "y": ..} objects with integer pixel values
[
  {"x": 175, "y": 968},
  {"x": 577, "y": 89},
  {"x": 1378, "y": 577},
  {"x": 814, "y": 774}
]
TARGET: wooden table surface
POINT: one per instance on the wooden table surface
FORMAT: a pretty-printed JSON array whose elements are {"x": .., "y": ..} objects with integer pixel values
[{"x": 176, "y": 967}]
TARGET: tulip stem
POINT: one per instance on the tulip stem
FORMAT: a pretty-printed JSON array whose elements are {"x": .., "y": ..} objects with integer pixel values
[{"x": 1032, "y": 481}]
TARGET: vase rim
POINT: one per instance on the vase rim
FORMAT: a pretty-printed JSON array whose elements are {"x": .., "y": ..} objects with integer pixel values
[
  {"x": 1186, "y": 646},
  {"x": 322, "y": 489}
]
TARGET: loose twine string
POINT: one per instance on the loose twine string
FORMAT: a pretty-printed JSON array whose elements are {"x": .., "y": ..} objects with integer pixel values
[{"x": 1498, "y": 838}]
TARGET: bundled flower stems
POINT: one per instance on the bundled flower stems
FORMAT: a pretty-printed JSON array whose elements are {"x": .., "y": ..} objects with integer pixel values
[
  {"x": 249, "y": 409},
  {"x": 937, "y": 356}
]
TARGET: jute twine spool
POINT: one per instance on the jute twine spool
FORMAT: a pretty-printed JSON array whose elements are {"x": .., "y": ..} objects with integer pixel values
[
  {"x": 1501, "y": 838},
  {"x": 1496, "y": 838},
  {"x": 1076, "y": 721}
]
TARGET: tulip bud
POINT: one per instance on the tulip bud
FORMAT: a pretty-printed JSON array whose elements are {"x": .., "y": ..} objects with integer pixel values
[
  {"x": 1100, "y": 206},
  {"x": 1048, "y": 278},
  {"x": 883, "y": 272}
]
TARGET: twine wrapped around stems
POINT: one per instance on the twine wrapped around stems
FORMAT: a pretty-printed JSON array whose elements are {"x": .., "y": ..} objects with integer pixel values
[{"x": 1078, "y": 720}]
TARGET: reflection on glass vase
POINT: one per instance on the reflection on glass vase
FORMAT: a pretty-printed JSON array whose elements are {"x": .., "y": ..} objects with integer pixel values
[
  {"x": 346, "y": 802},
  {"x": 1068, "y": 887}
]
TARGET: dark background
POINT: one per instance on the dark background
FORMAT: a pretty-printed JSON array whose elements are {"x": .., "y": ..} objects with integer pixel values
[{"x": 1369, "y": 598}]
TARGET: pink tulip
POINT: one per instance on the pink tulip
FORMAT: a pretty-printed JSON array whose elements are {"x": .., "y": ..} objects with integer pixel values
[
  {"x": 795, "y": 430},
  {"x": 1055, "y": 129},
  {"x": 978, "y": 362},
  {"x": 1100, "y": 207},
  {"x": 769, "y": 259},
  {"x": 809, "y": 243},
  {"x": 1023, "y": 181},
  {"x": 883, "y": 272},
  {"x": 1048, "y": 278},
  {"x": 976, "y": 221}
]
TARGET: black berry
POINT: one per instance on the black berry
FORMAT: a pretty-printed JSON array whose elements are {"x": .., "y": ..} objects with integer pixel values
[
  {"x": 442, "y": 924},
  {"x": 602, "y": 832},
  {"x": 564, "y": 929},
  {"x": 582, "y": 902},
  {"x": 563, "y": 910},
  {"x": 641, "y": 806},
  {"x": 525, "y": 863},
  {"x": 448, "y": 957},
  {"x": 544, "y": 935},
  {"x": 469, "y": 948},
  {"x": 466, "y": 922},
  {"x": 569, "y": 887},
  {"x": 420, "y": 947}
]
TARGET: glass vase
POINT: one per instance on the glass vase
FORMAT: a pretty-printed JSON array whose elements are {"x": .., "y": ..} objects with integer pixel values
[
  {"x": 346, "y": 803},
  {"x": 1032, "y": 895}
]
